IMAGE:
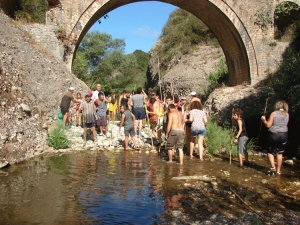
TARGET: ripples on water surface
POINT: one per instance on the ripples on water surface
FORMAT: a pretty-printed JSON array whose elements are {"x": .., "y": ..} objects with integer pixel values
[
  {"x": 136, "y": 188},
  {"x": 88, "y": 188}
]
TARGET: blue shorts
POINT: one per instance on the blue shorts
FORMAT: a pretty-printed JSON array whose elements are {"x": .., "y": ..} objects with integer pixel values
[
  {"x": 195, "y": 133},
  {"x": 139, "y": 113}
]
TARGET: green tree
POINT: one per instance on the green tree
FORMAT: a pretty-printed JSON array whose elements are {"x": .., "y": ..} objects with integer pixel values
[
  {"x": 81, "y": 66},
  {"x": 32, "y": 10},
  {"x": 181, "y": 34},
  {"x": 101, "y": 59}
]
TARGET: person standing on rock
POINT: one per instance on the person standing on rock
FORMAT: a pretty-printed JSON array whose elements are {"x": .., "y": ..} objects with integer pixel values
[
  {"x": 96, "y": 92},
  {"x": 101, "y": 105},
  {"x": 157, "y": 128},
  {"x": 128, "y": 120},
  {"x": 113, "y": 103},
  {"x": 138, "y": 110},
  {"x": 175, "y": 133},
  {"x": 123, "y": 100},
  {"x": 78, "y": 114},
  {"x": 194, "y": 97},
  {"x": 241, "y": 137},
  {"x": 65, "y": 104},
  {"x": 89, "y": 113},
  {"x": 278, "y": 134}
]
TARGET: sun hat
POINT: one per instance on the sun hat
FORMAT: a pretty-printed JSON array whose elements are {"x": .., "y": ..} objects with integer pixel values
[
  {"x": 193, "y": 93},
  {"x": 71, "y": 88},
  {"x": 88, "y": 95}
]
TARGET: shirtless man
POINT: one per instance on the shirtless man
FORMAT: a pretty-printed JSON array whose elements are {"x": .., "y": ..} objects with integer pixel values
[{"x": 175, "y": 133}]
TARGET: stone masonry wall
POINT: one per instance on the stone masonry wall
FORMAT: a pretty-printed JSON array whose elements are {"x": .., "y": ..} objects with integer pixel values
[{"x": 46, "y": 37}]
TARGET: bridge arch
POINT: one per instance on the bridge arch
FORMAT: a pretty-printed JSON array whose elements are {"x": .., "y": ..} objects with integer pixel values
[{"x": 216, "y": 14}]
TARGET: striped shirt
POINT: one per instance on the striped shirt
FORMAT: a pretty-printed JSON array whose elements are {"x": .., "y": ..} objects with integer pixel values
[{"x": 89, "y": 111}]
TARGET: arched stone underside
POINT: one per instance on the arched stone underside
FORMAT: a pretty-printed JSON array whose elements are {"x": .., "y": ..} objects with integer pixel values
[{"x": 216, "y": 14}]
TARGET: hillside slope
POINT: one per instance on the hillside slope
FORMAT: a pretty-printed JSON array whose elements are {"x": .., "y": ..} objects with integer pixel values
[
  {"x": 185, "y": 73},
  {"x": 31, "y": 87}
]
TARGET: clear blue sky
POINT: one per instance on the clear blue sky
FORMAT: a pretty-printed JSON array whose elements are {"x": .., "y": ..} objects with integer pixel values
[{"x": 139, "y": 24}]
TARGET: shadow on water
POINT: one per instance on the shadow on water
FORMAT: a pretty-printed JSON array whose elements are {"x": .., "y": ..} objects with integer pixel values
[{"x": 137, "y": 188}]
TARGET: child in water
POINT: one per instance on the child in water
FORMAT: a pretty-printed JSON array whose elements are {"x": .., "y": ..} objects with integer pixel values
[
  {"x": 241, "y": 137},
  {"x": 128, "y": 120}
]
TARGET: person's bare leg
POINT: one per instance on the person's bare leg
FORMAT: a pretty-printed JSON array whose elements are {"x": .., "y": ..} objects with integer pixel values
[
  {"x": 144, "y": 122},
  {"x": 106, "y": 129},
  {"x": 134, "y": 141},
  {"x": 135, "y": 125},
  {"x": 140, "y": 126},
  {"x": 65, "y": 119},
  {"x": 77, "y": 117},
  {"x": 68, "y": 118},
  {"x": 241, "y": 159},
  {"x": 126, "y": 142},
  {"x": 154, "y": 133},
  {"x": 159, "y": 135},
  {"x": 271, "y": 159},
  {"x": 101, "y": 129},
  {"x": 114, "y": 116},
  {"x": 192, "y": 144},
  {"x": 108, "y": 119},
  {"x": 279, "y": 162},
  {"x": 200, "y": 145},
  {"x": 84, "y": 135},
  {"x": 170, "y": 154},
  {"x": 180, "y": 155},
  {"x": 94, "y": 133}
]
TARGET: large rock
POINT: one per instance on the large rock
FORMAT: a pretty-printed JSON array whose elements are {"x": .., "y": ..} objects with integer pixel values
[
  {"x": 185, "y": 73},
  {"x": 32, "y": 83}
]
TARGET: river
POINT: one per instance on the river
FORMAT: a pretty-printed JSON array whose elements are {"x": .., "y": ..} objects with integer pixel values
[{"x": 95, "y": 187}]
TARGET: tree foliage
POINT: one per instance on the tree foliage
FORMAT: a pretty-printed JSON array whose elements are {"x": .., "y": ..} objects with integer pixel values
[
  {"x": 101, "y": 59},
  {"x": 182, "y": 32},
  {"x": 31, "y": 10}
]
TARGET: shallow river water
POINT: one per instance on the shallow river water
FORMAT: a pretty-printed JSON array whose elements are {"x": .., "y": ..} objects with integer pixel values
[{"x": 136, "y": 188}]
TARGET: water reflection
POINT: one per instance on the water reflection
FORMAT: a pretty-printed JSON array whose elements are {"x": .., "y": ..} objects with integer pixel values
[
  {"x": 100, "y": 188},
  {"x": 133, "y": 188}
]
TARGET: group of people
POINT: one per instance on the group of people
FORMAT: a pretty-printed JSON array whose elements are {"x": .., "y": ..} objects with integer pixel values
[
  {"x": 181, "y": 121},
  {"x": 277, "y": 125}
]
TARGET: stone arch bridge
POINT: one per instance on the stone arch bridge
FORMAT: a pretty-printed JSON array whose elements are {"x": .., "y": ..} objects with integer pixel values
[{"x": 245, "y": 44}]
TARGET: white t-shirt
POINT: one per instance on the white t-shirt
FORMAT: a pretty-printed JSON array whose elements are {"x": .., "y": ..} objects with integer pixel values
[
  {"x": 198, "y": 121},
  {"x": 95, "y": 95}
]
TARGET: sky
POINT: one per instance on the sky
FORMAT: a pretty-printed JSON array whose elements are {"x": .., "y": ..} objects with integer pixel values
[{"x": 139, "y": 24}]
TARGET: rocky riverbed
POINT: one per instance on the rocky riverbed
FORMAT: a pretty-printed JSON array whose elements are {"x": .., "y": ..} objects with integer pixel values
[{"x": 111, "y": 141}]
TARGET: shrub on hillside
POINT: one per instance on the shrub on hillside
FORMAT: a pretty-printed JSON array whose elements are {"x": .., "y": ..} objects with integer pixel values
[
  {"x": 182, "y": 32},
  {"x": 57, "y": 138},
  {"x": 32, "y": 10},
  {"x": 218, "y": 138}
]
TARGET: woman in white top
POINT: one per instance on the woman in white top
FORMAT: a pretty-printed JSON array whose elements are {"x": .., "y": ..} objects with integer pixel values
[{"x": 199, "y": 121}]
